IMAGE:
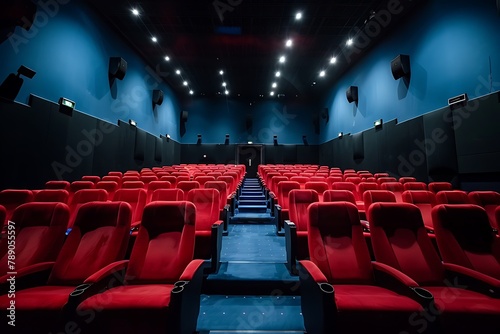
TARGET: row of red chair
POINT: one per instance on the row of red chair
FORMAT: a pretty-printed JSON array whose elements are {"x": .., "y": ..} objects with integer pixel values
[
  {"x": 87, "y": 282},
  {"x": 407, "y": 289}
]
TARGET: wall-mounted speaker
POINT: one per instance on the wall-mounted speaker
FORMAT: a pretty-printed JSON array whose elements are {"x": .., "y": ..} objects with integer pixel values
[
  {"x": 352, "y": 94},
  {"x": 400, "y": 66},
  {"x": 184, "y": 116},
  {"x": 117, "y": 67},
  {"x": 157, "y": 96}
]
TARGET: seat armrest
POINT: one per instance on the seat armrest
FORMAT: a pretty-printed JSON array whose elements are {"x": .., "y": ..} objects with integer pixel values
[
  {"x": 27, "y": 277},
  {"x": 106, "y": 278},
  {"x": 277, "y": 216},
  {"x": 224, "y": 216},
  {"x": 394, "y": 280},
  {"x": 192, "y": 268},
  {"x": 291, "y": 246},
  {"x": 470, "y": 279},
  {"x": 317, "y": 299},
  {"x": 216, "y": 245},
  {"x": 365, "y": 224}
]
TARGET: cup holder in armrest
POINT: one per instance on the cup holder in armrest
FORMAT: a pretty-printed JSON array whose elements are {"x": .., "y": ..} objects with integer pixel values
[
  {"x": 423, "y": 293},
  {"x": 79, "y": 290},
  {"x": 179, "y": 286},
  {"x": 326, "y": 287}
]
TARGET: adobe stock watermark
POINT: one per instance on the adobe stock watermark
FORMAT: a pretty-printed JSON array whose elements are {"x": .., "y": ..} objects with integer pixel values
[
  {"x": 373, "y": 27},
  {"x": 427, "y": 147},
  {"x": 11, "y": 272},
  {"x": 122, "y": 107},
  {"x": 221, "y": 7},
  {"x": 46, "y": 10}
]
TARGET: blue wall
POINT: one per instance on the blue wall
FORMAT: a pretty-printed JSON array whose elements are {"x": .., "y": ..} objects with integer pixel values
[
  {"x": 214, "y": 118},
  {"x": 69, "y": 48},
  {"x": 450, "y": 43}
]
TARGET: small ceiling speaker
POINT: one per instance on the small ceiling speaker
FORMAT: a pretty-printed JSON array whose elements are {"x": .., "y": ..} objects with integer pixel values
[
  {"x": 400, "y": 66},
  {"x": 157, "y": 96},
  {"x": 117, "y": 67},
  {"x": 352, "y": 94}
]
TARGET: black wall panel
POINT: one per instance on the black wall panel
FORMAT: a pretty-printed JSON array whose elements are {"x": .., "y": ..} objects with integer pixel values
[
  {"x": 358, "y": 146},
  {"x": 149, "y": 152},
  {"x": 307, "y": 154},
  {"x": 139, "y": 145},
  {"x": 440, "y": 148},
  {"x": 158, "y": 150},
  {"x": 107, "y": 140},
  {"x": 326, "y": 154},
  {"x": 126, "y": 146}
]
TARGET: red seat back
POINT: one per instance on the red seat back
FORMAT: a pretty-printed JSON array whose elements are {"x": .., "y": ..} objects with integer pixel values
[
  {"x": 425, "y": 201},
  {"x": 172, "y": 194},
  {"x": 51, "y": 195},
  {"x": 452, "y": 197},
  {"x": 284, "y": 188},
  {"x": 299, "y": 200}
]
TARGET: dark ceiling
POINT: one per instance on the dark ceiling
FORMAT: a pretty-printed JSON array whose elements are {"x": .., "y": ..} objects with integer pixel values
[{"x": 245, "y": 38}]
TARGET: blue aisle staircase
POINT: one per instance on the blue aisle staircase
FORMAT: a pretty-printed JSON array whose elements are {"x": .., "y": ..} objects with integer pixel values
[{"x": 253, "y": 291}]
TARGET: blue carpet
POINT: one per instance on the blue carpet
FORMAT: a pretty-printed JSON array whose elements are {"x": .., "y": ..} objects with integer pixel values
[
  {"x": 253, "y": 242},
  {"x": 257, "y": 313}
]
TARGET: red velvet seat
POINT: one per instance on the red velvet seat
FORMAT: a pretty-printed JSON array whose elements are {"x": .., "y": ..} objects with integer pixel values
[
  {"x": 133, "y": 185},
  {"x": 39, "y": 234},
  {"x": 489, "y": 200},
  {"x": 51, "y": 195},
  {"x": 395, "y": 187},
  {"x": 55, "y": 184},
  {"x": 342, "y": 291},
  {"x": 452, "y": 197},
  {"x": 400, "y": 240},
  {"x": 281, "y": 203},
  {"x": 375, "y": 196},
  {"x": 79, "y": 185},
  {"x": 204, "y": 179},
  {"x": 148, "y": 178},
  {"x": 137, "y": 200},
  {"x": 162, "y": 283},
  {"x": 352, "y": 188},
  {"x": 436, "y": 187},
  {"x": 84, "y": 196},
  {"x": 406, "y": 179},
  {"x": 170, "y": 178},
  {"x": 319, "y": 186},
  {"x": 384, "y": 179},
  {"x": 209, "y": 227},
  {"x": 425, "y": 200},
  {"x": 110, "y": 186},
  {"x": 296, "y": 226},
  {"x": 415, "y": 186},
  {"x": 172, "y": 194},
  {"x": 99, "y": 237},
  {"x": 115, "y": 173},
  {"x": 113, "y": 178},
  {"x": 154, "y": 185},
  {"x": 91, "y": 178},
  {"x": 225, "y": 202},
  {"x": 186, "y": 186},
  {"x": 10, "y": 199},
  {"x": 300, "y": 179},
  {"x": 465, "y": 238}
]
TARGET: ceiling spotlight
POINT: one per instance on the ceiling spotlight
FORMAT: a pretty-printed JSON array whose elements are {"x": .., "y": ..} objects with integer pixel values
[
  {"x": 271, "y": 93},
  {"x": 135, "y": 11},
  {"x": 167, "y": 58},
  {"x": 322, "y": 73},
  {"x": 226, "y": 92},
  {"x": 282, "y": 59},
  {"x": 178, "y": 72},
  {"x": 288, "y": 43},
  {"x": 274, "y": 85},
  {"x": 349, "y": 42},
  {"x": 185, "y": 83},
  {"x": 333, "y": 60},
  {"x": 223, "y": 84},
  {"x": 277, "y": 73},
  {"x": 221, "y": 72},
  {"x": 191, "y": 92},
  {"x": 154, "y": 39},
  {"x": 298, "y": 16}
]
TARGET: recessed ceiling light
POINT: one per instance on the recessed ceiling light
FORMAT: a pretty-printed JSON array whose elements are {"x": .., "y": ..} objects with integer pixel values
[
  {"x": 277, "y": 73},
  {"x": 271, "y": 93},
  {"x": 282, "y": 59},
  {"x": 191, "y": 92},
  {"x": 298, "y": 16},
  {"x": 135, "y": 11},
  {"x": 154, "y": 39},
  {"x": 221, "y": 72},
  {"x": 333, "y": 60},
  {"x": 289, "y": 43},
  {"x": 274, "y": 84},
  {"x": 185, "y": 83},
  {"x": 223, "y": 84},
  {"x": 178, "y": 72},
  {"x": 349, "y": 42},
  {"x": 322, "y": 73},
  {"x": 167, "y": 58},
  {"x": 226, "y": 92}
]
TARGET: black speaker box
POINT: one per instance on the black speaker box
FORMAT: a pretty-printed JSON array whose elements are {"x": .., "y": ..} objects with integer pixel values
[
  {"x": 157, "y": 96},
  {"x": 117, "y": 67},
  {"x": 184, "y": 116},
  {"x": 400, "y": 66},
  {"x": 352, "y": 94}
]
